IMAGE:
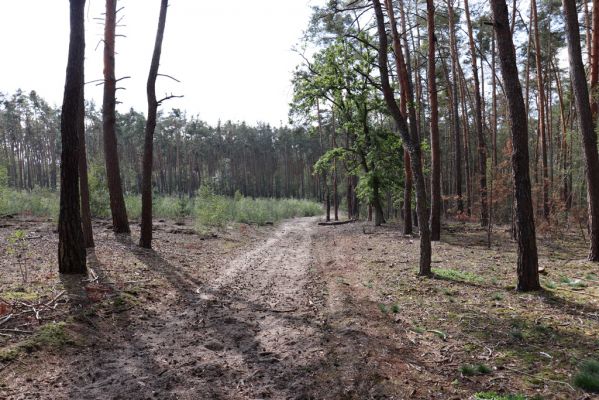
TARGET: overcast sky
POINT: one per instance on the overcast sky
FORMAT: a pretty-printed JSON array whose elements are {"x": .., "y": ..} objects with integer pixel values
[{"x": 234, "y": 58}]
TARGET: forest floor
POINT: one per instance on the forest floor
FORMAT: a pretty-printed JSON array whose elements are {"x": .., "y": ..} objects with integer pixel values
[{"x": 292, "y": 311}]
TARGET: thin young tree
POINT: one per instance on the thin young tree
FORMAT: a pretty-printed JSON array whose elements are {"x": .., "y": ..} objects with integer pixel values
[
  {"x": 410, "y": 142},
  {"x": 455, "y": 104},
  {"x": 120, "y": 223},
  {"x": 71, "y": 248},
  {"x": 585, "y": 121},
  {"x": 406, "y": 104},
  {"x": 435, "y": 218},
  {"x": 541, "y": 106},
  {"x": 146, "y": 186},
  {"x": 478, "y": 123},
  {"x": 527, "y": 264}
]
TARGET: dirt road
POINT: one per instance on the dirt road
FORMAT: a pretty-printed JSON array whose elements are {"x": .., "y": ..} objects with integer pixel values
[{"x": 294, "y": 311}]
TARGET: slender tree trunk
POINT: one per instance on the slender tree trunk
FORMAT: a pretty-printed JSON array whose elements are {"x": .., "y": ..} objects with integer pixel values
[
  {"x": 589, "y": 135},
  {"x": 478, "y": 122},
  {"x": 71, "y": 247},
  {"x": 455, "y": 108},
  {"x": 411, "y": 142},
  {"x": 146, "y": 195},
  {"x": 120, "y": 223},
  {"x": 407, "y": 104},
  {"x": 541, "y": 107},
  {"x": 434, "y": 126},
  {"x": 528, "y": 273}
]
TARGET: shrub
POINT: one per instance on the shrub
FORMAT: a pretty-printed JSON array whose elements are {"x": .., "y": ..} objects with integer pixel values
[{"x": 588, "y": 376}]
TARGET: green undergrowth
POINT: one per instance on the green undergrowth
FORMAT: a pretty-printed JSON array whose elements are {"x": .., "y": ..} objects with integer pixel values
[
  {"x": 49, "y": 336},
  {"x": 208, "y": 208},
  {"x": 212, "y": 210},
  {"x": 587, "y": 377}
]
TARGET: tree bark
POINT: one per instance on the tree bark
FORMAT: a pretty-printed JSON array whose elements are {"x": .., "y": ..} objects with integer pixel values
[
  {"x": 86, "y": 215},
  {"x": 412, "y": 144},
  {"x": 435, "y": 218},
  {"x": 585, "y": 120},
  {"x": 120, "y": 223},
  {"x": 71, "y": 247},
  {"x": 527, "y": 264},
  {"x": 594, "y": 56},
  {"x": 146, "y": 195}
]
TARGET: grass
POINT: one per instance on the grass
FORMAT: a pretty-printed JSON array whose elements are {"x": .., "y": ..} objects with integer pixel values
[
  {"x": 587, "y": 377},
  {"x": 19, "y": 295},
  {"x": 51, "y": 335},
  {"x": 458, "y": 276}
]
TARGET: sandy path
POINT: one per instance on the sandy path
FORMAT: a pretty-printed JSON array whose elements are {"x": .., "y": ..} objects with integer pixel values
[{"x": 250, "y": 333}]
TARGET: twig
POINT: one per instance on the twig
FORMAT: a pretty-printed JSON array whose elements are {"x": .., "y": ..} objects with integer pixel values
[
  {"x": 15, "y": 331},
  {"x": 6, "y": 319}
]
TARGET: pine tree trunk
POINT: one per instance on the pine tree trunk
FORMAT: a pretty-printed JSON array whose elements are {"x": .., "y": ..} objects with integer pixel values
[
  {"x": 86, "y": 215},
  {"x": 455, "y": 111},
  {"x": 541, "y": 107},
  {"x": 146, "y": 195},
  {"x": 478, "y": 122},
  {"x": 120, "y": 223},
  {"x": 527, "y": 264},
  {"x": 435, "y": 217},
  {"x": 71, "y": 247},
  {"x": 585, "y": 121}
]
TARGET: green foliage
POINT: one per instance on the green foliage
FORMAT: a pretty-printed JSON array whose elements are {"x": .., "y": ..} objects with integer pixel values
[
  {"x": 212, "y": 210},
  {"x": 39, "y": 202},
  {"x": 587, "y": 377},
  {"x": 99, "y": 200}
]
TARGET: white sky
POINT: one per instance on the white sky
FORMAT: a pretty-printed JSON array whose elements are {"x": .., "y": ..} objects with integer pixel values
[{"x": 234, "y": 58}]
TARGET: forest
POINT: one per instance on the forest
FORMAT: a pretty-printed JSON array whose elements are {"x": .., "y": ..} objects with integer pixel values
[{"x": 424, "y": 226}]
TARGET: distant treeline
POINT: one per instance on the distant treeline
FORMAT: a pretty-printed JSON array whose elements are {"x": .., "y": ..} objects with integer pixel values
[{"x": 259, "y": 161}]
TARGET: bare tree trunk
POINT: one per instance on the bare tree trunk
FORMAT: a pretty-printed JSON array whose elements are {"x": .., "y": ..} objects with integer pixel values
[
  {"x": 528, "y": 273},
  {"x": 71, "y": 248},
  {"x": 407, "y": 104},
  {"x": 435, "y": 217},
  {"x": 411, "y": 142},
  {"x": 478, "y": 122},
  {"x": 146, "y": 195},
  {"x": 120, "y": 223},
  {"x": 585, "y": 120},
  {"x": 456, "y": 117},
  {"x": 541, "y": 107}
]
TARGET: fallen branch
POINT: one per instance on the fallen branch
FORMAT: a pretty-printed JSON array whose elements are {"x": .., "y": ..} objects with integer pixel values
[{"x": 349, "y": 221}]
